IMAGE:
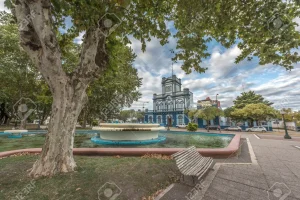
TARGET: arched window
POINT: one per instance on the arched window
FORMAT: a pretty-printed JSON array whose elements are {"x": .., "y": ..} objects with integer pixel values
[
  {"x": 159, "y": 119},
  {"x": 150, "y": 119},
  {"x": 157, "y": 107},
  {"x": 170, "y": 105},
  {"x": 179, "y": 104},
  {"x": 180, "y": 119}
]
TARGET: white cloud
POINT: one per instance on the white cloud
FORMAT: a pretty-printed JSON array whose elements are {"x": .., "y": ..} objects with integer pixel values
[
  {"x": 78, "y": 39},
  {"x": 2, "y": 8},
  {"x": 297, "y": 20},
  {"x": 223, "y": 77},
  {"x": 222, "y": 64}
]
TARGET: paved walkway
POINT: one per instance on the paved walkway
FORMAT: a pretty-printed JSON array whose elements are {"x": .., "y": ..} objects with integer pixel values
[{"x": 276, "y": 176}]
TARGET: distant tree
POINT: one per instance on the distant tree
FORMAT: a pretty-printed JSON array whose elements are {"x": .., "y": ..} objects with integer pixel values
[
  {"x": 18, "y": 75},
  {"x": 297, "y": 117},
  {"x": 140, "y": 116},
  {"x": 255, "y": 112},
  {"x": 209, "y": 113},
  {"x": 191, "y": 113},
  {"x": 288, "y": 116},
  {"x": 228, "y": 111},
  {"x": 249, "y": 98},
  {"x": 117, "y": 88},
  {"x": 126, "y": 114}
]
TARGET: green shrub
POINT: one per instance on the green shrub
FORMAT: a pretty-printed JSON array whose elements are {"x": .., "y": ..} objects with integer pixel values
[
  {"x": 213, "y": 142},
  {"x": 192, "y": 127},
  {"x": 95, "y": 123}
]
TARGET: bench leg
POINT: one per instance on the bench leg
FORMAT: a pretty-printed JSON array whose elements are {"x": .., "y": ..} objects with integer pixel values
[{"x": 188, "y": 180}]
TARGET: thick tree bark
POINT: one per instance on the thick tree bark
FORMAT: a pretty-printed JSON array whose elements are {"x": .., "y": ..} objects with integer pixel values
[
  {"x": 57, "y": 154},
  {"x": 39, "y": 41}
]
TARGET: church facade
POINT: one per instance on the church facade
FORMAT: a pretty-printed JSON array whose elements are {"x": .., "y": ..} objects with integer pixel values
[{"x": 172, "y": 102}]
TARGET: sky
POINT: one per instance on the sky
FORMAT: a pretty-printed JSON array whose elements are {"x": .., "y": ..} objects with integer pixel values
[{"x": 223, "y": 76}]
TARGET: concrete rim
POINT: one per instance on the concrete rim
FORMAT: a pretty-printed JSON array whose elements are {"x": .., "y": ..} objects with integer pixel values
[{"x": 228, "y": 151}]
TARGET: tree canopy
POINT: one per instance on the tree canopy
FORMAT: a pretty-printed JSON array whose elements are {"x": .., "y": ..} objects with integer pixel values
[
  {"x": 251, "y": 24},
  {"x": 19, "y": 77},
  {"x": 249, "y": 97},
  {"x": 255, "y": 112},
  {"x": 209, "y": 113}
]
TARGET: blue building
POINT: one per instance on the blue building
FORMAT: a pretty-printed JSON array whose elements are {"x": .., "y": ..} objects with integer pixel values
[{"x": 170, "y": 103}]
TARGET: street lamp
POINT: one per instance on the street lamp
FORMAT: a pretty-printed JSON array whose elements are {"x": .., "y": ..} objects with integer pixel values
[
  {"x": 217, "y": 105},
  {"x": 286, "y": 136},
  {"x": 295, "y": 122}
]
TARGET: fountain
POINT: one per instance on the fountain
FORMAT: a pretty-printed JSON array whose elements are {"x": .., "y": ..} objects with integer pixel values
[
  {"x": 15, "y": 133},
  {"x": 128, "y": 134}
]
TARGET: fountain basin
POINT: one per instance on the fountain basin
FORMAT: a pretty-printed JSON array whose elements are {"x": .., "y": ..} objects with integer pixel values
[
  {"x": 15, "y": 133},
  {"x": 128, "y": 132},
  {"x": 100, "y": 141}
]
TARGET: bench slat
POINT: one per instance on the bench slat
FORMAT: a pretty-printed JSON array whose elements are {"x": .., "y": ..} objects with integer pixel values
[
  {"x": 199, "y": 167},
  {"x": 183, "y": 155},
  {"x": 208, "y": 166},
  {"x": 180, "y": 152},
  {"x": 192, "y": 163},
  {"x": 187, "y": 158},
  {"x": 195, "y": 169}
]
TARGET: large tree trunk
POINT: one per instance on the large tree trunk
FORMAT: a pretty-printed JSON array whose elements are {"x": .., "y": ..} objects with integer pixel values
[
  {"x": 57, "y": 154},
  {"x": 39, "y": 40}
]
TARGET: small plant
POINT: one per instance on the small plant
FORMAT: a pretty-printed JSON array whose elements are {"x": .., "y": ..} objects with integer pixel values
[
  {"x": 192, "y": 127},
  {"x": 95, "y": 123},
  {"x": 213, "y": 142}
]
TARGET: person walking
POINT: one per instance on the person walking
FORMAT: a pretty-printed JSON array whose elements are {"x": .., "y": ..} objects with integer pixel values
[{"x": 219, "y": 128}]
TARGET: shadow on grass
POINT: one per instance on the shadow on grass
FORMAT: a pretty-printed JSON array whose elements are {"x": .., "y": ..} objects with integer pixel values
[{"x": 136, "y": 177}]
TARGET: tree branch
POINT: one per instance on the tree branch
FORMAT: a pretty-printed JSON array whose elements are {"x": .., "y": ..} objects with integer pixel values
[
  {"x": 39, "y": 40},
  {"x": 94, "y": 58}
]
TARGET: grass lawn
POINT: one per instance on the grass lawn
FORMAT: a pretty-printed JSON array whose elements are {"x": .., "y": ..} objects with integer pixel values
[{"x": 135, "y": 176}]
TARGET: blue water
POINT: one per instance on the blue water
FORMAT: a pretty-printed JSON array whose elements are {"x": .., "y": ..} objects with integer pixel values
[
  {"x": 167, "y": 139},
  {"x": 161, "y": 132},
  {"x": 100, "y": 141}
]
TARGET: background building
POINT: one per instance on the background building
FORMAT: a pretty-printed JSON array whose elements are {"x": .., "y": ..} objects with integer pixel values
[
  {"x": 207, "y": 103},
  {"x": 172, "y": 102}
]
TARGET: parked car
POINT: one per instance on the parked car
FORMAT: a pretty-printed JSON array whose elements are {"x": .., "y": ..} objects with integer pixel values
[
  {"x": 298, "y": 129},
  {"x": 233, "y": 128},
  {"x": 257, "y": 129},
  {"x": 212, "y": 127},
  {"x": 181, "y": 126}
]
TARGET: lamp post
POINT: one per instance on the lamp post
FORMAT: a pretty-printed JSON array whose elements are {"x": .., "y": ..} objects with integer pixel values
[
  {"x": 217, "y": 107},
  {"x": 295, "y": 122},
  {"x": 286, "y": 136}
]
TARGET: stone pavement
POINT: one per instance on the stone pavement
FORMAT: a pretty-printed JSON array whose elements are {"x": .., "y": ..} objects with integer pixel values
[
  {"x": 275, "y": 177},
  {"x": 273, "y": 174}
]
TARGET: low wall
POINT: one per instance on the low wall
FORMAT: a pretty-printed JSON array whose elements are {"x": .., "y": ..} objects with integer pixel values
[{"x": 226, "y": 152}]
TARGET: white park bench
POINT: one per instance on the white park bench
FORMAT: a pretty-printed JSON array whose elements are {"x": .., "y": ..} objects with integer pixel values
[{"x": 192, "y": 165}]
